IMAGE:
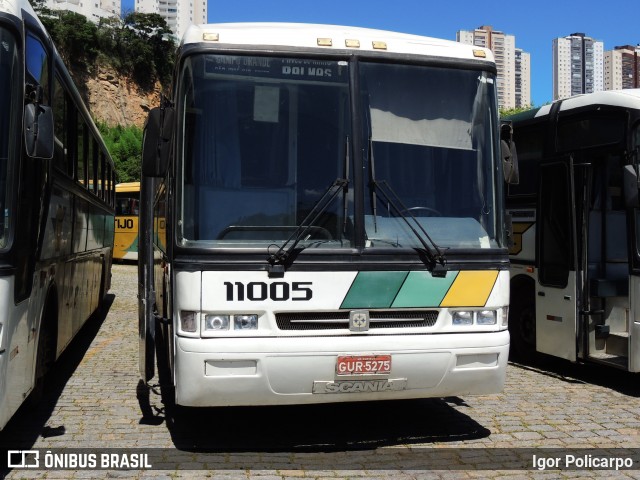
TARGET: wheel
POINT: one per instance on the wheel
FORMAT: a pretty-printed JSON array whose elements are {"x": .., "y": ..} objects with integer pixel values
[
  {"x": 522, "y": 329},
  {"x": 430, "y": 212},
  {"x": 162, "y": 339},
  {"x": 45, "y": 356}
]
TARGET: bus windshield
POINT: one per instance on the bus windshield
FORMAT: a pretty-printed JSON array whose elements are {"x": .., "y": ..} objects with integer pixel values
[
  {"x": 431, "y": 142},
  {"x": 9, "y": 103},
  {"x": 264, "y": 140}
]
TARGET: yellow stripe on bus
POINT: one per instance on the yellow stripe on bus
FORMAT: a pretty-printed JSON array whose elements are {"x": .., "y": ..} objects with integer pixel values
[{"x": 470, "y": 289}]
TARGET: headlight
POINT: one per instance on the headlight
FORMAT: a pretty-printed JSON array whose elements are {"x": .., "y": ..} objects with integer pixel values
[
  {"x": 245, "y": 322},
  {"x": 486, "y": 317},
  {"x": 462, "y": 318},
  {"x": 188, "y": 321},
  {"x": 214, "y": 322}
]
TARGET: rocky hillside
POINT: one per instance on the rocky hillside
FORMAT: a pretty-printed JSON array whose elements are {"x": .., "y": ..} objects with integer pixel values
[{"x": 117, "y": 100}]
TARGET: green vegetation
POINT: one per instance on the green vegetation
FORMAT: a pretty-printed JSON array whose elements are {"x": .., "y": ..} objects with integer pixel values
[
  {"x": 125, "y": 146},
  {"x": 139, "y": 45},
  {"x": 512, "y": 111}
]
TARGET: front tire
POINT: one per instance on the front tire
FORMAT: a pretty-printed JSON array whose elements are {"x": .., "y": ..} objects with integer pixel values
[
  {"x": 45, "y": 357},
  {"x": 522, "y": 328}
]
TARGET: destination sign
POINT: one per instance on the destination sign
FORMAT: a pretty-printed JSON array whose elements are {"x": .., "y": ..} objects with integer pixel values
[{"x": 283, "y": 68}]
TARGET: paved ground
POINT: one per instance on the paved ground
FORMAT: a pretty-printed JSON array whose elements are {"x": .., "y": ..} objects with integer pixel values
[{"x": 95, "y": 401}]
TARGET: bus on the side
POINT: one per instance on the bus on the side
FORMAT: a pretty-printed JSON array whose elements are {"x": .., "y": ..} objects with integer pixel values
[
  {"x": 322, "y": 219},
  {"x": 125, "y": 243},
  {"x": 56, "y": 198},
  {"x": 575, "y": 277}
]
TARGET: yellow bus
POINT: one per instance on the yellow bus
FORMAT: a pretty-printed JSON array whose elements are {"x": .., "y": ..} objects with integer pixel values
[{"x": 126, "y": 221}]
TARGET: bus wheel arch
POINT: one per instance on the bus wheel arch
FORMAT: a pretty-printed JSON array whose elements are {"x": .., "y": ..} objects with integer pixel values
[
  {"x": 105, "y": 280},
  {"x": 522, "y": 318},
  {"x": 46, "y": 346}
]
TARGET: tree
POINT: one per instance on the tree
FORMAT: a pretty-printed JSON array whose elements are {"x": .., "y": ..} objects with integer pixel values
[
  {"x": 513, "y": 111},
  {"x": 139, "y": 45},
  {"x": 125, "y": 146},
  {"x": 148, "y": 48},
  {"x": 74, "y": 36}
]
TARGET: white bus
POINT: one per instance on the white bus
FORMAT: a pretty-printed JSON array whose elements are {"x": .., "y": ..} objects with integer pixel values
[
  {"x": 57, "y": 195},
  {"x": 575, "y": 278},
  {"x": 326, "y": 211}
]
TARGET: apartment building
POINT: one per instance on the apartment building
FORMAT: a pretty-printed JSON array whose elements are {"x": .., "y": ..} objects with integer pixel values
[
  {"x": 514, "y": 74},
  {"x": 578, "y": 65},
  {"x": 178, "y": 14},
  {"x": 622, "y": 68},
  {"x": 522, "y": 78},
  {"x": 94, "y": 10}
]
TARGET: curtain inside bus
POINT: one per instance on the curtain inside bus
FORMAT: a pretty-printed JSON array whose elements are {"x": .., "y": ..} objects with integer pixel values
[
  {"x": 264, "y": 138},
  {"x": 431, "y": 139}
]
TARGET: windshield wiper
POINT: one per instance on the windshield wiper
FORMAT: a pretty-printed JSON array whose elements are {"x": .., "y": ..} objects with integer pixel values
[
  {"x": 434, "y": 253},
  {"x": 435, "y": 256},
  {"x": 277, "y": 260}
]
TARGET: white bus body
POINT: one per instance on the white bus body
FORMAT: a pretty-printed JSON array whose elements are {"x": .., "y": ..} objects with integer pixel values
[
  {"x": 326, "y": 219},
  {"x": 575, "y": 272},
  {"x": 56, "y": 195}
]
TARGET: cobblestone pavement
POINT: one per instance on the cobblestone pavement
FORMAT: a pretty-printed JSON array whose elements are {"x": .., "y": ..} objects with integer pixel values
[{"x": 94, "y": 400}]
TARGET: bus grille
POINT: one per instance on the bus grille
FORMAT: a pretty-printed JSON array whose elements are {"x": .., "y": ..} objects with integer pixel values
[{"x": 340, "y": 320}]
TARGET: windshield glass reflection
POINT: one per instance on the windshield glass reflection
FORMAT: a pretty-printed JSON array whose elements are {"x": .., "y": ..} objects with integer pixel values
[
  {"x": 431, "y": 139},
  {"x": 265, "y": 138}
]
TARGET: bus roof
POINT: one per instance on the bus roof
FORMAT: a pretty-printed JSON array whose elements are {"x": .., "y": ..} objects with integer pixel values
[
  {"x": 628, "y": 98},
  {"x": 331, "y": 37},
  {"x": 15, "y": 8},
  {"x": 128, "y": 187}
]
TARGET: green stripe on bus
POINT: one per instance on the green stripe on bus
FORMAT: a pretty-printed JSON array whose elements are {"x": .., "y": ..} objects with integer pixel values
[
  {"x": 374, "y": 289},
  {"x": 134, "y": 245},
  {"x": 421, "y": 289}
]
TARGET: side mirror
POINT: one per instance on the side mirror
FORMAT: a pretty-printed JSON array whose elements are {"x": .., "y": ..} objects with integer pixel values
[
  {"x": 630, "y": 184},
  {"x": 509, "y": 154},
  {"x": 38, "y": 131},
  {"x": 156, "y": 141}
]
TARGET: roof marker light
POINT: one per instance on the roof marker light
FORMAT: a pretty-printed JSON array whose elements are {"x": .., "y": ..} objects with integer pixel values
[
  {"x": 210, "y": 37},
  {"x": 352, "y": 43},
  {"x": 480, "y": 53},
  {"x": 379, "y": 45},
  {"x": 325, "y": 42}
]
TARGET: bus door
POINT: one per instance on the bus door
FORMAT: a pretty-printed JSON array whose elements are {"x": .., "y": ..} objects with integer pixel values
[
  {"x": 556, "y": 289},
  {"x": 608, "y": 263},
  {"x": 634, "y": 279}
]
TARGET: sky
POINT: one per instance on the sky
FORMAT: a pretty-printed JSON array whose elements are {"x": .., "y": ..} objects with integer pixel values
[{"x": 533, "y": 23}]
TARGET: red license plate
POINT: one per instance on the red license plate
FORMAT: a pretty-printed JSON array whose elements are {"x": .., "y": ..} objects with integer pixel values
[{"x": 363, "y": 365}]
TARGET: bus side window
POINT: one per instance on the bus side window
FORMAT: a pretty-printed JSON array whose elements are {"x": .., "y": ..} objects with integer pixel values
[
  {"x": 91, "y": 145},
  {"x": 82, "y": 150},
  {"x": 529, "y": 140},
  {"x": 61, "y": 108},
  {"x": 37, "y": 65},
  {"x": 93, "y": 168},
  {"x": 101, "y": 182}
]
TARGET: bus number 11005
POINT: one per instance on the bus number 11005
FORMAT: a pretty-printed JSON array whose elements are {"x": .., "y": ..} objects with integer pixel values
[{"x": 276, "y": 291}]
